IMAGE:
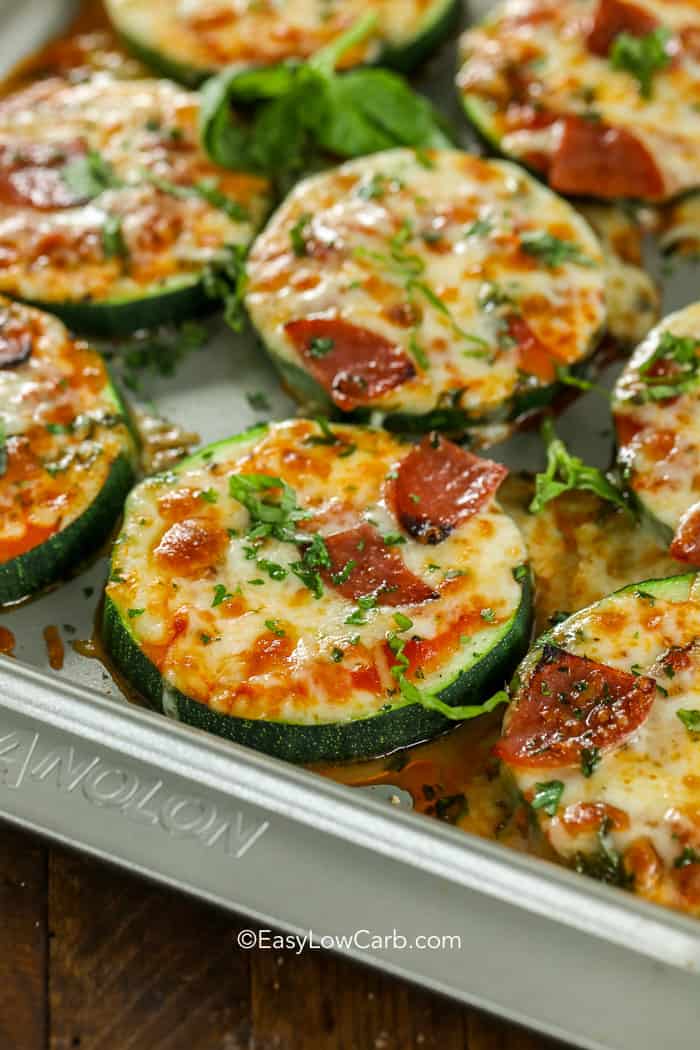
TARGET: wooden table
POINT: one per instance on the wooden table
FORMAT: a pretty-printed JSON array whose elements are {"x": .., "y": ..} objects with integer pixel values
[{"x": 95, "y": 959}]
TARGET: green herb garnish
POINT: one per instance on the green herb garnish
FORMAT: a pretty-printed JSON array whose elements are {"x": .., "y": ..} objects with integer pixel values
[
  {"x": 566, "y": 473},
  {"x": 641, "y": 56},
  {"x": 690, "y": 717},
  {"x": 553, "y": 251},
  {"x": 547, "y": 796}
]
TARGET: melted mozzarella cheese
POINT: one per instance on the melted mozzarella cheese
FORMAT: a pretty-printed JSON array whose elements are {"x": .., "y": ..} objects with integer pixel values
[
  {"x": 533, "y": 53},
  {"x": 581, "y": 549},
  {"x": 660, "y": 439},
  {"x": 643, "y": 797},
  {"x": 385, "y": 228},
  {"x": 210, "y": 34},
  {"x": 321, "y": 667},
  {"x": 64, "y": 428},
  {"x": 145, "y": 132}
]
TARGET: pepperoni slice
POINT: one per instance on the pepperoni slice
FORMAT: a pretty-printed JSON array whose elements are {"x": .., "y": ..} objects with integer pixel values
[
  {"x": 685, "y": 545},
  {"x": 596, "y": 159},
  {"x": 439, "y": 485},
  {"x": 613, "y": 17},
  {"x": 362, "y": 565},
  {"x": 15, "y": 341},
  {"x": 533, "y": 356},
  {"x": 354, "y": 364},
  {"x": 570, "y": 704},
  {"x": 31, "y": 174}
]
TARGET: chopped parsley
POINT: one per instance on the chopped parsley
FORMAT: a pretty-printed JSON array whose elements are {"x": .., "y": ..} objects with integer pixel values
[
  {"x": 90, "y": 175},
  {"x": 690, "y": 717},
  {"x": 393, "y": 539},
  {"x": 344, "y": 575},
  {"x": 297, "y": 235},
  {"x": 221, "y": 594},
  {"x": 209, "y": 496},
  {"x": 641, "y": 56},
  {"x": 320, "y": 346},
  {"x": 488, "y": 615},
  {"x": 547, "y": 796},
  {"x": 672, "y": 369},
  {"x": 133, "y": 613},
  {"x": 590, "y": 760},
  {"x": 403, "y": 622},
  {"x": 553, "y": 251},
  {"x": 336, "y": 654},
  {"x": 687, "y": 857},
  {"x": 113, "y": 242},
  {"x": 274, "y": 627},
  {"x": 357, "y": 616}
]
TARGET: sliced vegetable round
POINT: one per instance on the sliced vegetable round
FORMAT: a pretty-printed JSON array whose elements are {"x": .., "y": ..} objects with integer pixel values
[
  {"x": 657, "y": 416},
  {"x": 598, "y": 95},
  {"x": 320, "y": 593},
  {"x": 602, "y": 735},
  {"x": 191, "y": 41},
  {"x": 437, "y": 289},
  {"x": 110, "y": 214},
  {"x": 66, "y": 451}
]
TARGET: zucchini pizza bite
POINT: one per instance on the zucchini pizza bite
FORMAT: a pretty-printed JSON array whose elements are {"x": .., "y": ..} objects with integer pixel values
[
  {"x": 657, "y": 417},
  {"x": 192, "y": 39},
  {"x": 320, "y": 593},
  {"x": 600, "y": 96},
  {"x": 67, "y": 455},
  {"x": 110, "y": 213},
  {"x": 430, "y": 289},
  {"x": 601, "y": 739}
]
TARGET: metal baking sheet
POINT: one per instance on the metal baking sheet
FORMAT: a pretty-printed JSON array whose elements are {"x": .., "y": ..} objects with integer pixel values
[{"x": 537, "y": 943}]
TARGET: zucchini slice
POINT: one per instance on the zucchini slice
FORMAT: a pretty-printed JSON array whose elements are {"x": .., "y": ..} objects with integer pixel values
[
  {"x": 319, "y": 593},
  {"x": 657, "y": 416},
  {"x": 558, "y": 88},
  {"x": 111, "y": 216},
  {"x": 67, "y": 455},
  {"x": 601, "y": 738},
  {"x": 192, "y": 41},
  {"x": 433, "y": 289}
]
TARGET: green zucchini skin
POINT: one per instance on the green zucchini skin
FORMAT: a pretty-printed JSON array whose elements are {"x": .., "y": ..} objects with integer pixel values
[
  {"x": 115, "y": 318},
  {"x": 51, "y": 561},
  {"x": 300, "y": 385},
  {"x": 335, "y": 741},
  {"x": 440, "y": 21}
]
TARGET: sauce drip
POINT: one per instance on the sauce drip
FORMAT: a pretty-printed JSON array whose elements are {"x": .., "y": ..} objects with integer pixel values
[
  {"x": 54, "y": 647},
  {"x": 7, "y": 642}
]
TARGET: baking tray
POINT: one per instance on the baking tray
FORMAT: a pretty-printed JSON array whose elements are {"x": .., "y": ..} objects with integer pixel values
[{"x": 291, "y": 850}]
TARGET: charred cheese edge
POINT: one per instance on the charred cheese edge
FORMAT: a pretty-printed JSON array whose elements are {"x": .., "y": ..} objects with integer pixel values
[
  {"x": 659, "y": 436},
  {"x": 67, "y": 455},
  {"x": 191, "y": 39},
  {"x": 631, "y": 814},
  {"x": 225, "y": 634},
  {"x": 532, "y": 66},
  {"x": 106, "y": 199},
  {"x": 442, "y": 261}
]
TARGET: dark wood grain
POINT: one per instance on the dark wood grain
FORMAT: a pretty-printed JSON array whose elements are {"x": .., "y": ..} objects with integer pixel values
[
  {"x": 130, "y": 966},
  {"x": 23, "y": 941}
]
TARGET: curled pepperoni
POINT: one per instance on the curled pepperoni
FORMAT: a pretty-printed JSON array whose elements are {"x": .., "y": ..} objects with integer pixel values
[
  {"x": 362, "y": 564},
  {"x": 31, "y": 174},
  {"x": 570, "y": 704},
  {"x": 438, "y": 485},
  {"x": 613, "y": 17},
  {"x": 15, "y": 341},
  {"x": 596, "y": 159},
  {"x": 685, "y": 545},
  {"x": 354, "y": 364},
  {"x": 533, "y": 356}
]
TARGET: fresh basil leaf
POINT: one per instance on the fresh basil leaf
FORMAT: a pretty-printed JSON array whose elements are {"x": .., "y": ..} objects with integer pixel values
[
  {"x": 566, "y": 473},
  {"x": 672, "y": 369},
  {"x": 275, "y": 121},
  {"x": 690, "y": 717}
]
